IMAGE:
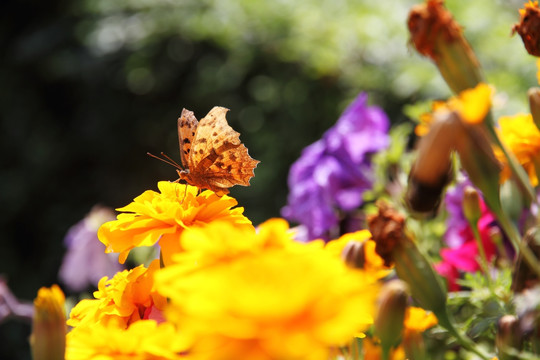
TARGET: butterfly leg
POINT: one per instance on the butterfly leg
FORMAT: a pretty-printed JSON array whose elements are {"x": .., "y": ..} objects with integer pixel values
[{"x": 185, "y": 193}]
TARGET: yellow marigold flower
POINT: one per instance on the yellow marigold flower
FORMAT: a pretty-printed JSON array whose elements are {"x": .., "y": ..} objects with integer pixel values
[
  {"x": 373, "y": 264},
  {"x": 126, "y": 298},
  {"x": 162, "y": 217},
  {"x": 522, "y": 137},
  {"x": 472, "y": 105},
  {"x": 49, "y": 325},
  {"x": 236, "y": 294},
  {"x": 143, "y": 340},
  {"x": 418, "y": 319}
]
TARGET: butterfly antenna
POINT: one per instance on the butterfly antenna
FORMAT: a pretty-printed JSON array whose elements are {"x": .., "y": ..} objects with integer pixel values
[
  {"x": 171, "y": 160},
  {"x": 165, "y": 159}
]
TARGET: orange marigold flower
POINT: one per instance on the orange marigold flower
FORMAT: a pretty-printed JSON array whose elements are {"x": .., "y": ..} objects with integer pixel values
[
  {"x": 143, "y": 340},
  {"x": 126, "y": 298},
  {"x": 522, "y": 137},
  {"x": 236, "y": 294},
  {"x": 161, "y": 217}
]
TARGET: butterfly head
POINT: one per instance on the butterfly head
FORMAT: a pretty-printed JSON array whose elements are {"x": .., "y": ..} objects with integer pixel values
[{"x": 184, "y": 174}]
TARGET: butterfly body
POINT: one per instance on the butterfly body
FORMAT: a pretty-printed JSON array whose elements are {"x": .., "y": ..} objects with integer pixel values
[{"x": 212, "y": 155}]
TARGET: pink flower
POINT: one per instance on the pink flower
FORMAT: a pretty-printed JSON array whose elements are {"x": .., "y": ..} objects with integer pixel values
[{"x": 463, "y": 255}]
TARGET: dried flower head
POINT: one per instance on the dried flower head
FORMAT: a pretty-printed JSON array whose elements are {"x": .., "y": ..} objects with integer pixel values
[{"x": 528, "y": 27}]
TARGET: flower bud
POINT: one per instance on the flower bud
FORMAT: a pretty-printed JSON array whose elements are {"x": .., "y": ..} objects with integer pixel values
[
  {"x": 432, "y": 169},
  {"x": 391, "y": 313},
  {"x": 386, "y": 228},
  {"x": 48, "y": 337},
  {"x": 437, "y": 35},
  {"x": 529, "y": 28},
  {"x": 508, "y": 337},
  {"x": 534, "y": 105},
  {"x": 362, "y": 255},
  {"x": 414, "y": 346},
  {"x": 354, "y": 254},
  {"x": 413, "y": 268},
  {"x": 471, "y": 205},
  {"x": 524, "y": 276},
  {"x": 388, "y": 231}
]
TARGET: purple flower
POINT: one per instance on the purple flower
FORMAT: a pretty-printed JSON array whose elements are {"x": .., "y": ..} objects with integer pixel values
[
  {"x": 85, "y": 261},
  {"x": 456, "y": 223},
  {"x": 333, "y": 173}
]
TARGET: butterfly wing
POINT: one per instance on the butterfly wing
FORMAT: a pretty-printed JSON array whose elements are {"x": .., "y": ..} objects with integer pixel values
[
  {"x": 187, "y": 127},
  {"x": 232, "y": 167},
  {"x": 218, "y": 157}
]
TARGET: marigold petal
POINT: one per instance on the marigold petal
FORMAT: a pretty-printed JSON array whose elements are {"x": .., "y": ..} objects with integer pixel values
[
  {"x": 520, "y": 134},
  {"x": 141, "y": 341},
  {"x": 418, "y": 319},
  {"x": 474, "y": 104},
  {"x": 120, "y": 300}
]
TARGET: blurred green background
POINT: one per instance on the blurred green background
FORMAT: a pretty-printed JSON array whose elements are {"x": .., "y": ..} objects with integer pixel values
[{"x": 88, "y": 87}]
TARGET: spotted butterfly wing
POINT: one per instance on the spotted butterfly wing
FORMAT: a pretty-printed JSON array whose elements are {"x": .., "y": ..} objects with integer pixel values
[
  {"x": 187, "y": 126},
  {"x": 216, "y": 158}
]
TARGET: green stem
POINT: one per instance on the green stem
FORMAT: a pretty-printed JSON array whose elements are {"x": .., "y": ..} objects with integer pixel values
[
  {"x": 483, "y": 258},
  {"x": 385, "y": 352},
  {"x": 515, "y": 238},
  {"x": 355, "y": 349}
]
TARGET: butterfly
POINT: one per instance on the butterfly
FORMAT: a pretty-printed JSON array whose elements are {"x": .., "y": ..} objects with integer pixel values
[{"x": 212, "y": 155}]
